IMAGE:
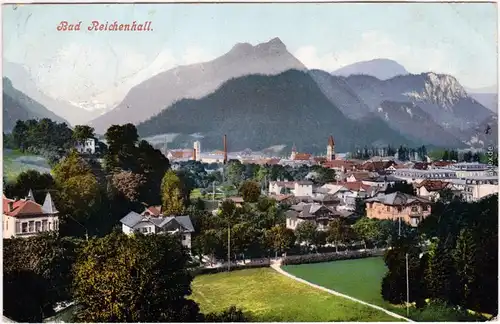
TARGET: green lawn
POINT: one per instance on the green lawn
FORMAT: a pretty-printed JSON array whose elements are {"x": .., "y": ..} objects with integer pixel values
[
  {"x": 361, "y": 279},
  {"x": 15, "y": 162},
  {"x": 270, "y": 296}
]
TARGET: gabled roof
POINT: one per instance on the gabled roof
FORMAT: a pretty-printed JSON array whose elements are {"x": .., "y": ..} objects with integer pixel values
[
  {"x": 356, "y": 186},
  {"x": 153, "y": 210},
  {"x": 133, "y": 218},
  {"x": 433, "y": 185},
  {"x": 28, "y": 207},
  {"x": 397, "y": 199}
]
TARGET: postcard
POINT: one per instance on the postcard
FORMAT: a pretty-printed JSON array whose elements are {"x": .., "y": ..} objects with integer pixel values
[{"x": 250, "y": 162}]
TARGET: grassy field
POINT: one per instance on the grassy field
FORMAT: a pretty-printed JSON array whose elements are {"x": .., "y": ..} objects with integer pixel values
[
  {"x": 270, "y": 296},
  {"x": 15, "y": 162},
  {"x": 361, "y": 279},
  {"x": 358, "y": 278}
]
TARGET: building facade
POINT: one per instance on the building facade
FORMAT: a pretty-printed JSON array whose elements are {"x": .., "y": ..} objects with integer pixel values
[
  {"x": 25, "y": 217},
  {"x": 398, "y": 206},
  {"x": 88, "y": 146}
]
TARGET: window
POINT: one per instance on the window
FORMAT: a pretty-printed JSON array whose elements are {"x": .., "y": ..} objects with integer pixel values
[
  {"x": 31, "y": 226},
  {"x": 44, "y": 225},
  {"x": 56, "y": 225},
  {"x": 50, "y": 226},
  {"x": 183, "y": 237},
  {"x": 24, "y": 227},
  {"x": 388, "y": 208},
  {"x": 38, "y": 226},
  {"x": 425, "y": 207},
  {"x": 414, "y": 209}
]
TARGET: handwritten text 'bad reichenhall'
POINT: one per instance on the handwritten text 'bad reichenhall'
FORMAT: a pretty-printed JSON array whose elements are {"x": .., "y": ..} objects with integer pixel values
[{"x": 98, "y": 26}]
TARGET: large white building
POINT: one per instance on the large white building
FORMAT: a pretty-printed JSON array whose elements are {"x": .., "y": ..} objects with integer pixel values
[
  {"x": 25, "y": 217},
  {"x": 472, "y": 169}
]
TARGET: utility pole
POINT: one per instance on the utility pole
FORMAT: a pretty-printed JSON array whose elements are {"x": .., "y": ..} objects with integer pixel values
[
  {"x": 213, "y": 191},
  {"x": 228, "y": 247},
  {"x": 399, "y": 226},
  {"x": 407, "y": 289}
]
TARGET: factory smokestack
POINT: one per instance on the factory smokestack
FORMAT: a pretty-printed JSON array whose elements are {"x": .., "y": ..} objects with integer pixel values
[{"x": 225, "y": 149}]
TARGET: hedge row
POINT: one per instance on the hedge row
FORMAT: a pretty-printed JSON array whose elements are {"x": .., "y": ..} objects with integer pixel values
[
  {"x": 324, "y": 257},
  {"x": 201, "y": 271}
]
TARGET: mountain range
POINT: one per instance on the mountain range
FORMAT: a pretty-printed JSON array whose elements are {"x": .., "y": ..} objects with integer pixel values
[
  {"x": 382, "y": 69},
  {"x": 263, "y": 96},
  {"x": 197, "y": 80},
  {"x": 22, "y": 81},
  {"x": 19, "y": 106}
]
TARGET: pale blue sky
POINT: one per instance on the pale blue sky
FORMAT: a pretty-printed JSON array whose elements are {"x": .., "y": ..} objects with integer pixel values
[{"x": 459, "y": 39}]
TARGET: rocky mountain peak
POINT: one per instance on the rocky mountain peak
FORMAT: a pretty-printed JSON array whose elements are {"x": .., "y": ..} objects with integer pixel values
[{"x": 441, "y": 89}]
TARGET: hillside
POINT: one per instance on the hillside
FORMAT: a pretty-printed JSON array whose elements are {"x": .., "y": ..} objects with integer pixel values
[
  {"x": 22, "y": 81},
  {"x": 381, "y": 69},
  {"x": 338, "y": 91},
  {"x": 18, "y": 106},
  {"x": 478, "y": 138},
  {"x": 412, "y": 121},
  {"x": 261, "y": 111},
  {"x": 197, "y": 80},
  {"x": 440, "y": 96}
]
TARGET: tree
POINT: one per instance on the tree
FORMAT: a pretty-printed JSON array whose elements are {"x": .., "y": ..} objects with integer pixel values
[
  {"x": 439, "y": 275},
  {"x": 37, "y": 274},
  {"x": 360, "y": 207},
  {"x": 339, "y": 232},
  {"x": 39, "y": 183},
  {"x": 406, "y": 188},
  {"x": 128, "y": 184},
  {"x": 280, "y": 238},
  {"x": 250, "y": 191},
  {"x": 139, "y": 278},
  {"x": 82, "y": 132},
  {"x": 230, "y": 315},
  {"x": 367, "y": 229},
  {"x": 465, "y": 259},
  {"x": 171, "y": 189},
  {"x": 79, "y": 195},
  {"x": 306, "y": 232},
  {"x": 234, "y": 172},
  {"x": 122, "y": 140}
]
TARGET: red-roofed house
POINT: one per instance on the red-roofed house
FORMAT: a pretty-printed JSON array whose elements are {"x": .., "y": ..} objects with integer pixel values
[
  {"x": 430, "y": 189},
  {"x": 25, "y": 217}
]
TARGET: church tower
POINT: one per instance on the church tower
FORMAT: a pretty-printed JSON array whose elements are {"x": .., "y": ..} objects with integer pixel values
[
  {"x": 330, "y": 149},
  {"x": 294, "y": 152},
  {"x": 197, "y": 151}
]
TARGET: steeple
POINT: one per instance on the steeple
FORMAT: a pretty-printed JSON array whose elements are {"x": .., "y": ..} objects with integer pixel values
[
  {"x": 48, "y": 205},
  {"x": 330, "y": 149},
  {"x": 294, "y": 152},
  {"x": 30, "y": 196}
]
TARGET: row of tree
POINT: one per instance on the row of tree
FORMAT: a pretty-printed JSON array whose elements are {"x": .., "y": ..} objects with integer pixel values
[
  {"x": 404, "y": 153},
  {"x": 459, "y": 267}
]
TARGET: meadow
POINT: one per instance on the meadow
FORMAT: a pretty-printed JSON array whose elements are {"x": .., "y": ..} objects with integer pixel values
[
  {"x": 15, "y": 162},
  {"x": 361, "y": 279},
  {"x": 270, "y": 297}
]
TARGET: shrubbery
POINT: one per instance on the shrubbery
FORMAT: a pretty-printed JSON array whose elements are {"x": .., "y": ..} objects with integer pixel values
[
  {"x": 201, "y": 271},
  {"x": 325, "y": 257}
]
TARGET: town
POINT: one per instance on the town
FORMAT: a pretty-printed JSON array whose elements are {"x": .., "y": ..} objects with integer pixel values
[
  {"x": 252, "y": 210},
  {"x": 257, "y": 162}
]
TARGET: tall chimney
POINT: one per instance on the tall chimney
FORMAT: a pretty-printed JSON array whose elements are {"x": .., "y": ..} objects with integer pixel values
[
  {"x": 11, "y": 206},
  {"x": 225, "y": 149}
]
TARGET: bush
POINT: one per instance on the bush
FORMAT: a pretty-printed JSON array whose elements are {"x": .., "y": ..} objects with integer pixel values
[
  {"x": 440, "y": 311},
  {"x": 230, "y": 315},
  {"x": 201, "y": 271},
  {"x": 324, "y": 257}
]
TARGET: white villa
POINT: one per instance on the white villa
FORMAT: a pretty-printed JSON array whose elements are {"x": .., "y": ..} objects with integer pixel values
[
  {"x": 151, "y": 221},
  {"x": 296, "y": 188},
  {"x": 88, "y": 146},
  {"x": 25, "y": 217}
]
